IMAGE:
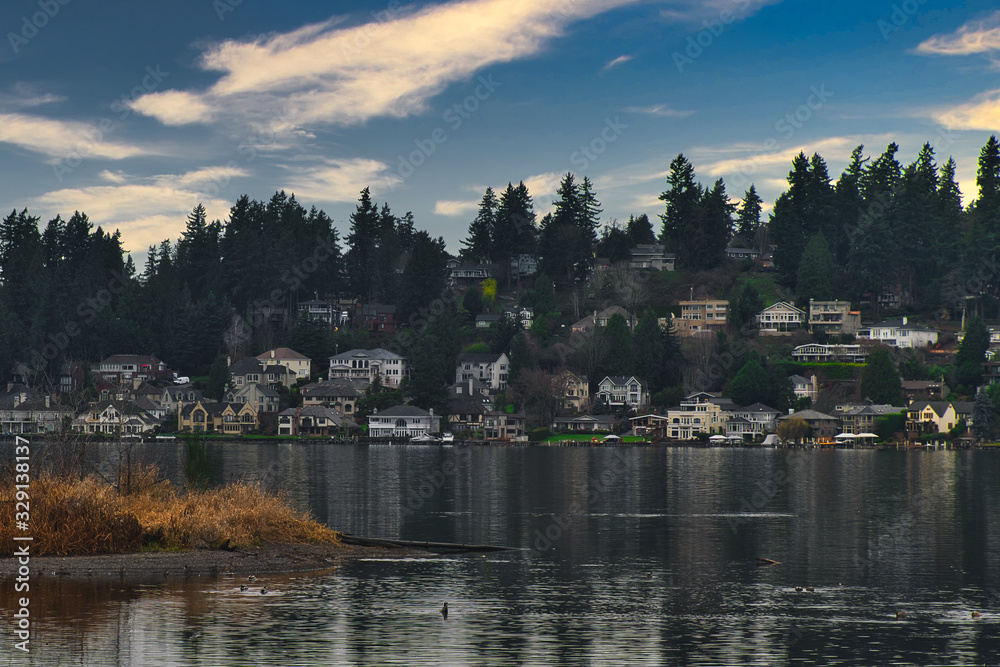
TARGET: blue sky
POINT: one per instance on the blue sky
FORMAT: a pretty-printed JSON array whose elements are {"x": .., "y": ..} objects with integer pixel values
[{"x": 134, "y": 112}]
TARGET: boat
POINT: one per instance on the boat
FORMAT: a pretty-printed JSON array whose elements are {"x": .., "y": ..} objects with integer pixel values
[
  {"x": 447, "y": 437},
  {"x": 425, "y": 438}
]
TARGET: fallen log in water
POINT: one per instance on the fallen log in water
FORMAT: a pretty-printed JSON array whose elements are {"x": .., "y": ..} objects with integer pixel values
[{"x": 415, "y": 544}]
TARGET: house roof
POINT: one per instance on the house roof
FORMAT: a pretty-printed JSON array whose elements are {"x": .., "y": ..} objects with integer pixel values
[
  {"x": 620, "y": 380},
  {"x": 245, "y": 365},
  {"x": 358, "y": 353},
  {"x": 262, "y": 389},
  {"x": 898, "y": 324},
  {"x": 759, "y": 408},
  {"x": 487, "y": 317},
  {"x": 402, "y": 411},
  {"x": 784, "y": 304},
  {"x": 479, "y": 358},
  {"x": 339, "y": 389},
  {"x": 282, "y": 353},
  {"x": 809, "y": 415},
  {"x": 873, "y": 409},
  {"x": 131, "y": 359},
  {"x": 939, "y": 407},
  {"x": 798, "y": 379}
]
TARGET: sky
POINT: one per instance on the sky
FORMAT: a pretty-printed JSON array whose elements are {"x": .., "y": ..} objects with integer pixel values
[{"x": 135, "y": 112}]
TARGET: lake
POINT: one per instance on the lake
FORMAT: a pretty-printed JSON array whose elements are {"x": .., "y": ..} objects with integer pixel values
[{"x": 624, "y": 556}]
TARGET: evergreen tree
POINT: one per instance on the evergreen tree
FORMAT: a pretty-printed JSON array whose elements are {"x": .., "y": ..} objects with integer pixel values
[
  {"x": 745, "y": 307},
  {"x": 982, "y": 415},
  {"x": 971, "y": 354},
  {"x": 748, "y": 219},
  {"x": 816, "y": 269},
  {"x": 749, "y": 385},
  {"x": 218, "y": 379},
  {"x": 425, "y": 276},
  {"x": 618, "y": 339},
  {"x": 363, "y": 240},
  {"x": 478, "y": 247},
  {"x": 880, "y": 381},
  {"x": 640, "y": 230}
]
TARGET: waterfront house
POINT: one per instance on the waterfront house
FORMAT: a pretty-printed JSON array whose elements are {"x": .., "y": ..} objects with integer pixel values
[
  {"x": 863, "y": 418},
  {"x": 172, "y": 397},
  {"x": 310, "y": 420},
  {"x": 585, "y": 423},
  {"x": 403, "y": 421},
  {"x": 760, "y": 418},
  {"x": 23, "y": 412},
  {"x": 937, "y": 416},
  {"x": 575, "y": 391},
  {"x": 504, "y": 426},
  {"x": 211, "y": 417},
  {"x": 341, "y": 395},
  {"x": 823, "y": 425},
  {"x": 113, "y": 417},
  {"x": 700, "y": 412}
]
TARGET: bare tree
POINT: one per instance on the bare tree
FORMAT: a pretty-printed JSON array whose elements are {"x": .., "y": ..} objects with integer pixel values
[
  {"x": 630, "y": 288},
  {"x": 541, "y": 392}
]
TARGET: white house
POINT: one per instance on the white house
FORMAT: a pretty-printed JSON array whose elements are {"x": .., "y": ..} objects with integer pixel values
[
  {"x": 701, "y": 412},
  {"x": 760, "y": 418},
  {"x": 490, "y": 369},
  {"x": 814, "y": 352},
  {"x": 621, "y": 391},
  {"x": 900, "y": 333},
  {"x": 779, "y": 318},
  {"x": 366, "y": 365},
  {"x": 804, "y": 387},
  {"x": 403, "y": 421}
]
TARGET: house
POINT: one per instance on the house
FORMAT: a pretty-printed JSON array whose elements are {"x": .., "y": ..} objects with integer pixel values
[
  {"x": 863, "y": 418},
  {"x": 113, "y": 417},
  {"x": 209, "y": 417},
  {"x": 325, "y": 311},
  {"x": 833, "y": 317},
  {"x": 310, "y": 420},
  {"x": 698, "y": 317},
  {"x": 759, "y": 418},
  {"x": 468, "y": 405},
  {"x": 586, "y": 423},
  {"x": 403, "y": 421},
  {"x": 289, "y": 358},
  {"x": 780, "y": 317},
  {"x": 700, "y": 412},
  {"x": 378, "y": 317},
  {"x": 742, "y": 253},
  {"x": 21, "y": 412},
  {"x": 524, "y": 316},
  {"x": 924, "y": 390},
  {"x": 357, "y": 364},
  {"x": 575, "y": 391},
  {"x": 467, "y": 275},
  {"x": 504, "y": 426},
  {"x": 649, "y": 424},
  {"x": 620, "y": 391},
  {"x": 937, "y": 416},
  {"x": 523, "y": 265},
  {"x": 823, "y": 425},
  {"x": 651, "y": 257},
  {"x": 341, "y": 395},
  {"x": 816, "y": 353},
  {"x": 486, "y": 321},
  {"x": 174, "y": 396},
  {"x": 262, "y": 397},
  {"x": 490, "y": 369},
  {"x": 899, "y": 333},
  {"x": 598, "y": 319},
  {"x": 119, "y": 368},
  {"x": 804, "y": 387}
]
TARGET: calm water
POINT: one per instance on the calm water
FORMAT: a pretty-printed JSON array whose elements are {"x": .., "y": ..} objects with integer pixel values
[{"x": 638, "y": 556}]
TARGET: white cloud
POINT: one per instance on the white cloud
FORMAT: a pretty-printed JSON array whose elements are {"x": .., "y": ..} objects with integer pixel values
[
  {"x": 540, "y": 185},
  {"x": 697, "y": 11},
  {"x": 453, "y": 208},
  {"x": 663, "y": 110},
  {"x": 324, "y": 73},
  {"x": 146, "y": 210},
  {"x": 979, "y": 36},
  {"x": 620, "y": 60},
  {"x": 340, "y": 181},
  {"x": 980, "y": 113},
  {"x": 61, "y": 139}
]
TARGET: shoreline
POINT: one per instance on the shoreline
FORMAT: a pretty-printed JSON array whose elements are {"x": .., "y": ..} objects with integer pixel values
[{"x": 158, "y": 566}]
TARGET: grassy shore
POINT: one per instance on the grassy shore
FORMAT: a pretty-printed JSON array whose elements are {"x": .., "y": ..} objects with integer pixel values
[{"x": 70, "y": 516}]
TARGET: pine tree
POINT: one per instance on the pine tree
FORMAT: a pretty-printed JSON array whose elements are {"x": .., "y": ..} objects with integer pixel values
[
  {"x": 816, "y": 270},
  {"x": 478, "y": 245},
  {"x": 748, "y": 219},
  {"x": 880, "y": 381}
]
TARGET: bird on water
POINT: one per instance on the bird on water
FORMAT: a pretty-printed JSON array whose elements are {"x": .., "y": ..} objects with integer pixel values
[
  {"x": 263, "y": 591},
  {"x": 444, "y": 610}
]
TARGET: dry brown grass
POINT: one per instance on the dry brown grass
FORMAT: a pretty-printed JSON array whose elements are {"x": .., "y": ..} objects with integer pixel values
[{"x": 74, "y": 517}]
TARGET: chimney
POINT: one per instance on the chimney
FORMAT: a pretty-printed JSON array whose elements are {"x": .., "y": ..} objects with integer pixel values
[
  {"x": 48, "y": 401},
  {"x": 272, "y": 354},
  {"x": 17, "y": 400},
  {"x": 904, "y": 320}
]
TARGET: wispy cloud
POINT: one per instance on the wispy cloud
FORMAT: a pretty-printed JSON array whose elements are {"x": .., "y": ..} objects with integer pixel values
[
  {"x": 980, "y": 113},
  {"x": 620, "y": 60},
  {"x": 663, "y": 110},
  {"x": 340, "y": 180},
  {"x": 979, "y": 36},
  {"x": 145, "y": 209},
  {"x": 27, "y": 96},
  {"x": 696, "y": 11},
  {"x": 454, "y": 208},
  {"x": 59, "y": 138},
  {"x": 325, "y": 73}
]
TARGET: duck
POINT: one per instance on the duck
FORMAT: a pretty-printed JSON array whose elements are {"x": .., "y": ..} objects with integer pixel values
[
  {"x": 244, "y": 587},
  {"x": 251, "y": 578},
  {"x": 901, "y": 615},
  {"x": 810, "y": 589},
  {"x": 263, "y": 591},
  {"x": 798, "y": 589},
  {"x": 977, "y": 614},
  {"x": 444, "y": 610}
]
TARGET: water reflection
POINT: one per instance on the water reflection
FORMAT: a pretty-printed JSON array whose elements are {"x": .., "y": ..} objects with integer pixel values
[{"x": 626, "y": 556}]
